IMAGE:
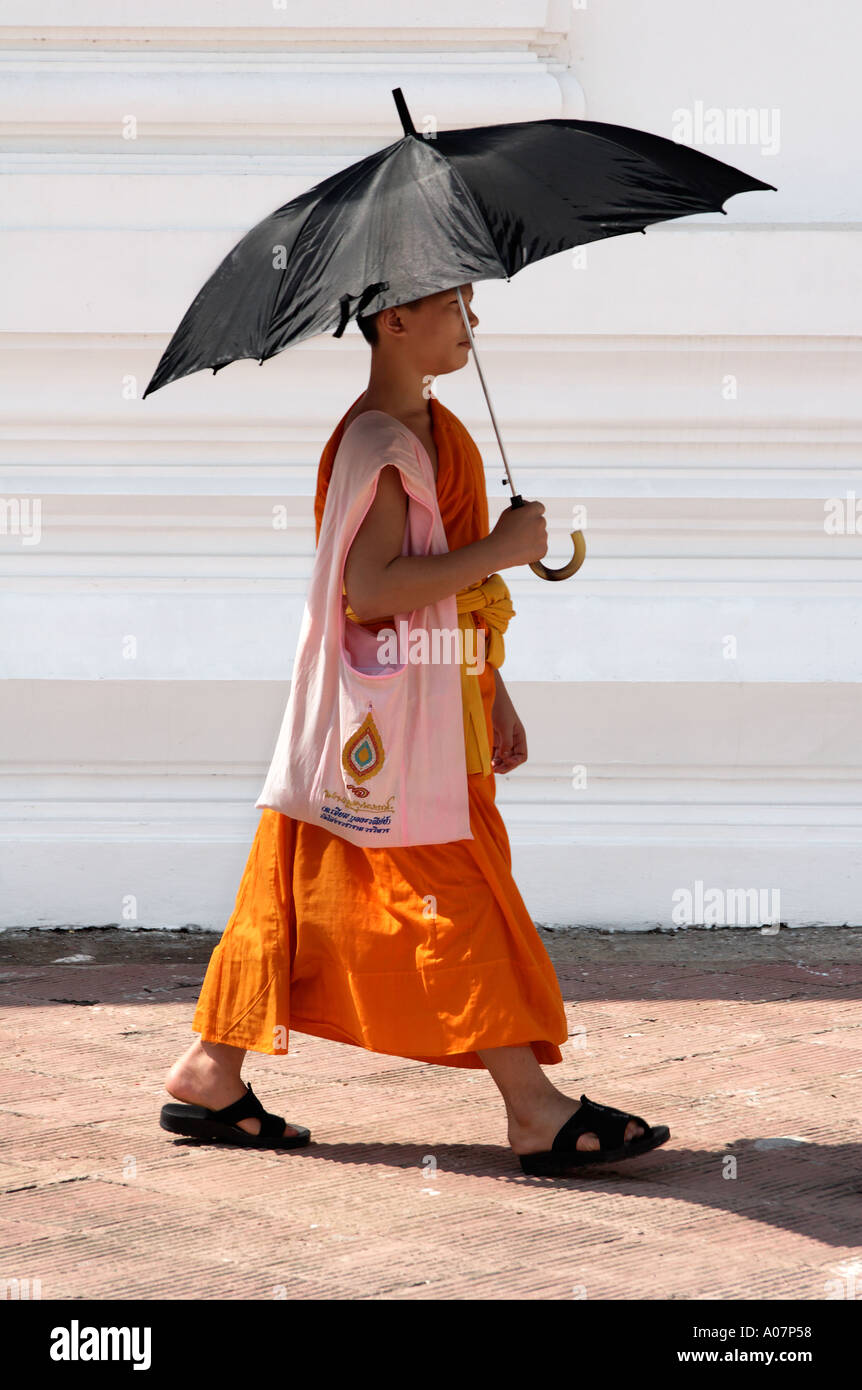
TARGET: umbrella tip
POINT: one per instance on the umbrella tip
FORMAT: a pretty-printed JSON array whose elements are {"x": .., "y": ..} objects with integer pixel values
[{"x": 401, "y": 104}]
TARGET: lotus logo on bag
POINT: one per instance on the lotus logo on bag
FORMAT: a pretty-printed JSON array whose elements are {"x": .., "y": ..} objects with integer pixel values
[{"x": 363, "y": 754}]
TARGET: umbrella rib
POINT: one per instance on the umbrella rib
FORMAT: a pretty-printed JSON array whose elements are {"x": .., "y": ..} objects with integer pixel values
[
  {"x": 284, "y": 271},
  {"x": 344, "y": 175},
  {"x": 456, "y": 174}
]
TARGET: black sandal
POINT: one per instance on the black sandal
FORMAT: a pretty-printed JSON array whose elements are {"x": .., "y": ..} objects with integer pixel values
[
  {"x": 197, "y": 1122},
  {"x": 609, "y": 1126}
]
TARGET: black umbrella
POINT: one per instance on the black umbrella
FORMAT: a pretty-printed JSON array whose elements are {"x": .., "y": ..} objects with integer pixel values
[{"x": 423, "y": 215}]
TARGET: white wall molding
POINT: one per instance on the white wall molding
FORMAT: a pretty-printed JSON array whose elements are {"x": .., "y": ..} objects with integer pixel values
[
  {"x": 147, "y": 789},
  {"x": 129, "y": 772},
  {"x": 591, "y": 418},
  {"x": 326, "y": 24},
  {"x": 243, "y": 102},
  {"x": 696, "y": 281},
  {"x": 242, "y": 84},
  {"x": 216, "y": 543}
]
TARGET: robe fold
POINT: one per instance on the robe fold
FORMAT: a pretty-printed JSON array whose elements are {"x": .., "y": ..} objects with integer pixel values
[{"x": 425, "y": 952}]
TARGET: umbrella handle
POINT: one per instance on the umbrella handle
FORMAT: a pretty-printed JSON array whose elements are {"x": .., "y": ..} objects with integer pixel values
[{"x": 579, "y": 548}]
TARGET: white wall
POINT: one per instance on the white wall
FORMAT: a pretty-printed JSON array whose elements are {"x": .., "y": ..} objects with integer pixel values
[{"x": 129, "y": 782}]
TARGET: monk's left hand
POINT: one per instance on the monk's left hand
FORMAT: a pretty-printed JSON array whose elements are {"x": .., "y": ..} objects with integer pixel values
[{"x": 510, "y": 739}]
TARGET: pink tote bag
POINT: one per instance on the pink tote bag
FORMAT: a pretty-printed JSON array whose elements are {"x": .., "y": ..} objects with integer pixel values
[{"x": 371, "y": 750}]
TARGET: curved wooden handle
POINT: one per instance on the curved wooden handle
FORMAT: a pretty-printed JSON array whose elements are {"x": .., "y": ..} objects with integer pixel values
[{"x": 579, "y": 550}]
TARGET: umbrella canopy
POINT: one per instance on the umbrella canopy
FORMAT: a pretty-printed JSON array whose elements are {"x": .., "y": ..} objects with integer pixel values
[{"x": 424, "y": 215}]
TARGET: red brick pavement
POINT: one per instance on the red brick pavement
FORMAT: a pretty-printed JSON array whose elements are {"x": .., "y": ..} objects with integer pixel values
[{"x": 749, "y": 1046}]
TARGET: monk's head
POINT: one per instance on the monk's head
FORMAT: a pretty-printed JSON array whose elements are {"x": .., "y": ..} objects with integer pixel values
[{"x": 427, "y": 334}]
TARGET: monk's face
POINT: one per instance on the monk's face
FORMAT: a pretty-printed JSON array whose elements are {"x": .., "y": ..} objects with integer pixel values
[{"x": 430, "y": 332}]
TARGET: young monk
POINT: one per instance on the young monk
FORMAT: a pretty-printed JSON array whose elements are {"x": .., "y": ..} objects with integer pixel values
[{"x": 333, "y": 939}]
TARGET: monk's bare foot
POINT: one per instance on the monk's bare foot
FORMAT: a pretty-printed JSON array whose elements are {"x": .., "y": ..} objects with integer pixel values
[
  {"x": 196, "y": 1079},
  {"x": 544, "y": 1125}
]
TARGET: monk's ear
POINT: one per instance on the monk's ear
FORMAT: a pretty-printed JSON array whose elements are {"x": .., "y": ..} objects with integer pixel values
[{"x": 392, "y": 320}]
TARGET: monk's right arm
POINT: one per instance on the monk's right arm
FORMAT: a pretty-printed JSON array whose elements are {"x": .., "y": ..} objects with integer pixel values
[{"x": 380, "y": 581}]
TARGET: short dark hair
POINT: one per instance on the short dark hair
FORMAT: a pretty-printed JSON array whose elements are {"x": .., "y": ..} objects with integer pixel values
[{"x": 368, "y": 327}]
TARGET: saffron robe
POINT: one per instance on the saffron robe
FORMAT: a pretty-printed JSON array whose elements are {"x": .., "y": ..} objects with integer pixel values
[{"x": 425, "y": 952}]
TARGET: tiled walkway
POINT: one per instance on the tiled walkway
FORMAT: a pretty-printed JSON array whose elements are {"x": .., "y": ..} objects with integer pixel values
[{"x": 748, "y": 1046}]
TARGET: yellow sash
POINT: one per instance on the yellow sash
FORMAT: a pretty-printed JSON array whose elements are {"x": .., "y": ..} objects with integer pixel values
[{"x": 492, "y": 599}]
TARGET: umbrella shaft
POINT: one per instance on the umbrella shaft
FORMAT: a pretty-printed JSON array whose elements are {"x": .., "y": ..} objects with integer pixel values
[{"x": 484, "y": 387}]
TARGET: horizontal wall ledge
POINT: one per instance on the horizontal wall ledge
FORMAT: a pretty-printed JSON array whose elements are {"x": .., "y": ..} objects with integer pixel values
[
  {"x": 169, "y": 632},
  {"x": 146, "y": 545},
  {"x": 585, "y": 417},
  {"x": 223, "y": 96},
  {"x": 657, "y": 805},
  {"x": 251, "y": 106},
  {"x": 677, "y": 735},
  {"x": 595, "y": 464},
  {"x": 692, "y": 281},
  {"x": 627, "y": 886},
  {"x": 165, "y": 19},
  {"x": 140, "y": 798}
]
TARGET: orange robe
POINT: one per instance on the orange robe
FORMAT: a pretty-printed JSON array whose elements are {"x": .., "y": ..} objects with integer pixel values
[{"x": 426, "y": 951}]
